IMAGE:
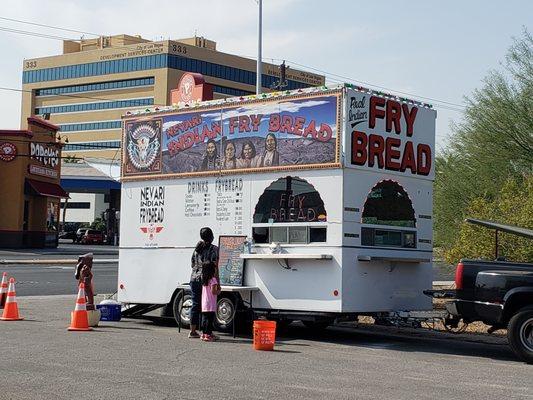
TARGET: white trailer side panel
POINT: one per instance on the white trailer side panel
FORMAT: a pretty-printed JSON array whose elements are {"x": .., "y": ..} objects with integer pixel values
[{"x": 153, "y": 263}]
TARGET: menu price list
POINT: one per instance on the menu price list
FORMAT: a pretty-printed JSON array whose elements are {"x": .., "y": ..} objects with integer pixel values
[
  {"x": 229, "y": 209},
  {"x": 224, "y": 197}
]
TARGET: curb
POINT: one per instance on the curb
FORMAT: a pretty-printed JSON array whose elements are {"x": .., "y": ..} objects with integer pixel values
[{"x": 57, "y": 261}]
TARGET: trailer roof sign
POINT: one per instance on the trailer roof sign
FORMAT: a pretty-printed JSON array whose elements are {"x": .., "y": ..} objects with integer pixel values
[{"x": 385, "y": 134}]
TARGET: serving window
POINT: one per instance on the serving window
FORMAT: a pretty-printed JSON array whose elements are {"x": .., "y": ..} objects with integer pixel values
[
  {"x": 388, "y": 204},
  {"x": 290, "y": 210}
]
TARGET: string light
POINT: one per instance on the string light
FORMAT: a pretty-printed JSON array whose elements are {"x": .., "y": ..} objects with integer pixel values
[{"x": 310, "y": 90}]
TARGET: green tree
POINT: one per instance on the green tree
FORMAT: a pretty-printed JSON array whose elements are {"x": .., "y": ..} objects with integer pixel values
[
  {"x": 493, "y": 142},
  {"x": 513, "y": 205},
  {"x": 99, "y": 224}
]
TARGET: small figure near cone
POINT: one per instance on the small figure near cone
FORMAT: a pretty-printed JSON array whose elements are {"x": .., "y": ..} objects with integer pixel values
[
  {"x": 3, "y": 290},
  {"x": 79, "y": 320},
  {"x": 11, "y": 311}
]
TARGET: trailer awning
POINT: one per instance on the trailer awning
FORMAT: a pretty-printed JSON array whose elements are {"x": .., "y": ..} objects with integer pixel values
[{"x": 528, "y": 233}]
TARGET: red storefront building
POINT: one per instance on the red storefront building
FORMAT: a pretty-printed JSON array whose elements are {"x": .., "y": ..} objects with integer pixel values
[{"x": 30, "y": 194}]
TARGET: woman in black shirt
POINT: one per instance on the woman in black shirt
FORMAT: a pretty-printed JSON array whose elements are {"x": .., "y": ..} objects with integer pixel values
[{"x": 204, "y": 251}]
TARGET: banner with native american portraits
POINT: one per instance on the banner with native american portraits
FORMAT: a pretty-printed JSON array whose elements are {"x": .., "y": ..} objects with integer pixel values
[{"x": 274, "y": 134}]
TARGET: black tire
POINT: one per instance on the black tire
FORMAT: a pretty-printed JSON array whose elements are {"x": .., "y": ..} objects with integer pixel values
[
  {"x": 520, "y": 334},
  {"x": 182, "y": 302},
  {"x": 319, "y": 325},
  {"x": 225, "y": 313},
  {"x": 283, "y": 325}
]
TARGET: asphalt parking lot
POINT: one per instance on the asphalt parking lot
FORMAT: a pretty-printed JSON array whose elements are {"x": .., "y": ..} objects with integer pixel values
[{"x": 135, "y": 359}]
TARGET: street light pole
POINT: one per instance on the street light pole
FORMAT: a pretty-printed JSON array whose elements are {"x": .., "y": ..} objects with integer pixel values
[{"x": 259, "y": 68}]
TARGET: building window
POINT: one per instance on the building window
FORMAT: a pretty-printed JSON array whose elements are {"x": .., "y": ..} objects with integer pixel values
[
  {"x": 106, "y": 105},
  {"x": 151, "y": 62},
  {"x": 90, "y": 126},
  {"x": 95, "y": 87},
  {"x": 290, "y": 210},
  {"x": 109, "y": 144},
  {"x": 230, "y": 91}
]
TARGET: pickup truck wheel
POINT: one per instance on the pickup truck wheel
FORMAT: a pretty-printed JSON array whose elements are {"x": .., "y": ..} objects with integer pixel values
[
  {"x": 181, "y": 308},
  {"x": 520, "y": 334}
]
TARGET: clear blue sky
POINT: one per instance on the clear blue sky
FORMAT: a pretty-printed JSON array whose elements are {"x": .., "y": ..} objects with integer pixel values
[{"x": 440, "y": 50}]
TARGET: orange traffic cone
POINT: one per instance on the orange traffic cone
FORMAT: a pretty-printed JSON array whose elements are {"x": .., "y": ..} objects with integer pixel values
[
  {"x": 11, "y": 310},
  {"x": 79, "y": 320},
  {"x": 3, "y": 290}
]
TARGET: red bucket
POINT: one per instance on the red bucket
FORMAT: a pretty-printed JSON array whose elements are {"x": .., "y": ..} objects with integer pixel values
[{"x": 264, "y": 335}]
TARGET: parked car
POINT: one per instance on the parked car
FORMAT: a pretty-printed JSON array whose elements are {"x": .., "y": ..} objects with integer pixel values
[
  {"x": 80, "y": 233},
  {"x": 68, "y": 235},
  {"x": 93, "y": 236},
  {"x": 498, "y": 293}
]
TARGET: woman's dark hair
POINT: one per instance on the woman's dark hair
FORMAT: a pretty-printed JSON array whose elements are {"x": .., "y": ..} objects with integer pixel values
[
  {"x": 249, "y": 143},
  {"x": 275, "y": 139},
  {"x": 215, "y": 143},
  {"x": 206, "y": 234},
  {"x": 205, "y": 160},
  {"x": 208, "y": 272},
  {"x": 228, "y": 143}
]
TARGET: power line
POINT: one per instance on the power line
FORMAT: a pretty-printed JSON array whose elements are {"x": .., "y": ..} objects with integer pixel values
[
  {"x": 377, "y": 86},
  {"x": 49, "y": 26},
  {"x": 331, "y": 76},
  {"x": 36, "y": 34},
  {"x": 446, "y": 105}
]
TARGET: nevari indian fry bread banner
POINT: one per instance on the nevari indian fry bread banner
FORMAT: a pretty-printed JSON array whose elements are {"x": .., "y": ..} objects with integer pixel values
[{"x": 269, "y": 135}]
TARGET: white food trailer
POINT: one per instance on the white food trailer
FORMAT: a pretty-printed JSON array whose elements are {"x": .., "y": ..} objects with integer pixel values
[{"x": 334, "y": 185}]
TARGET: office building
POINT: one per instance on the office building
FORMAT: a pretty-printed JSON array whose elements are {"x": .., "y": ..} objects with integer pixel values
[{"x": 87, "y": 89}]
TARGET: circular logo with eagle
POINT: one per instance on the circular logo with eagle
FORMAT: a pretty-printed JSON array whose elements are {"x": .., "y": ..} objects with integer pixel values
[{"x": 143, "y": 146}]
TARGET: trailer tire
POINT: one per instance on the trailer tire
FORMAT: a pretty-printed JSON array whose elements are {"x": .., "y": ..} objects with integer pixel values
[
  {"x": 225, "y": 313},
  {"x": 319, "y": 325},
  {"x": 182, "y": 305},
  {"x": 520, "y": 334}
]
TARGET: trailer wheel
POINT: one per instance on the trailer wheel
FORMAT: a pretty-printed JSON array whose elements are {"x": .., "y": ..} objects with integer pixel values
[
  {"x": 181, "y": 308},
  {"x": 225, "y": 314},
  {"x": 520, "y": 334},
  {"x": 319, "y": 325}
]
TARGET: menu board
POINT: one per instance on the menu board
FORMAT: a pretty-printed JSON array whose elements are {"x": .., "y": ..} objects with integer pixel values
[
  {"x": 230, "y": 265},
  {"x": 221, "y": 200}
]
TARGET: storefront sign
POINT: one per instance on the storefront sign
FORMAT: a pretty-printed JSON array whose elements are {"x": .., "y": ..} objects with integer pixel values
[
  {"x": 43, "y": 171},
  {"x": 46, "y": 155},
  {"x": 191, "y": 87},
  {"x": 272, "y": 135},
  {"x": 8, "y": 151},
  {"x": 389, "y": 135}
]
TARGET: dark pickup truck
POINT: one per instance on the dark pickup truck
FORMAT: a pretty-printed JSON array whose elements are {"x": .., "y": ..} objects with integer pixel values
[{"x": 499, "y": 294}]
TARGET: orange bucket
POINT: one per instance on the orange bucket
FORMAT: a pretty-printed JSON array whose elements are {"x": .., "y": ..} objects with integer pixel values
[{"x": 264, "y": 335}]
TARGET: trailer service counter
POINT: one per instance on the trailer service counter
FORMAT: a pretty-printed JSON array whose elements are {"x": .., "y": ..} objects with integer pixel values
[{"x": 340, "y": 179}]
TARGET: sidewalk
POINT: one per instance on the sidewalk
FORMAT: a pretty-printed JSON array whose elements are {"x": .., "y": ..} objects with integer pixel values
[
  {"x": 65, "y": 253},
  {"x": 62, "y": 249}
]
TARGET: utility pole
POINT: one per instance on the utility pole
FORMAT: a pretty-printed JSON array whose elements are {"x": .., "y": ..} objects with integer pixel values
[{"x": 259, "y": 43}]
